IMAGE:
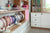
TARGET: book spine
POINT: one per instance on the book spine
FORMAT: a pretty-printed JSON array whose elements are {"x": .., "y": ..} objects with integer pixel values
[
  {"x": 38, "y": 1},
  {"x": 34, "y": 1}
]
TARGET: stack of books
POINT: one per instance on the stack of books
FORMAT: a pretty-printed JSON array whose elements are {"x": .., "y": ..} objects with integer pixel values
[{"x": 35, "y": 1}]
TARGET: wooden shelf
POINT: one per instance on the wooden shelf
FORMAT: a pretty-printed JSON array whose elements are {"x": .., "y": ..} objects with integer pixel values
[
  {"x": 41, "y": 28},
  {"x": 16, "y": 3},
  {"x": 25, "y": 1},
  {"x": 35, "y": 12},
  {"x": 15, "y": 26},
  {"x": 40, "y": 12},
  {"x": 11, "y": 11},
  {"x": 36, "y": 4}
]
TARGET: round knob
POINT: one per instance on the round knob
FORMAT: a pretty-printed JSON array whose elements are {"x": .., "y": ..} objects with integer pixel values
[{"x": 35, "y": 24}]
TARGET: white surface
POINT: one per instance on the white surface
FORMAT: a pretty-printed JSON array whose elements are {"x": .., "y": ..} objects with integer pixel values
[
  {"x": 3, "y": 3},
  {"x": 42, "y": 21},
  {"x": 35, "y": 24},
  {"x": 3, "y": 10},
  {"x": 35, "y": 14},
  {"x": 22, "y": 28},
  {"x": 35, "y": 19},
  {"x": 45, "y": 20}
]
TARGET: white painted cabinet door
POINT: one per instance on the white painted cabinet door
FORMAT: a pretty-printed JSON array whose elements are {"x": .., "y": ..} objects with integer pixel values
[
  {"x": 45, "y": 20},
  {"x": 35, "y": 19}
]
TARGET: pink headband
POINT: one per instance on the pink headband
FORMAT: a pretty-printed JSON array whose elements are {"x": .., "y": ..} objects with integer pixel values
[
  {"x": 2, "y": 19},
  {"x": 10, "y": 19},
  {"x": 7, "y": 20}
]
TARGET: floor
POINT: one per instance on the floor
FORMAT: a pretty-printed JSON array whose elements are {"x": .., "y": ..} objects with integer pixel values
[{"x": 38, "y": 31}]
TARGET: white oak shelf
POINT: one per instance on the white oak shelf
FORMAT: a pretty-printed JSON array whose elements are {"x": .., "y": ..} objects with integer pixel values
[
  {"x": 15, "y": 27},
  {"x": 11, "y": 11}
]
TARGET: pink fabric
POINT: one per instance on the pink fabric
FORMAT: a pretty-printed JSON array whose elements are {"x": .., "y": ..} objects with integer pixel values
[
  {"x": 10, "y": 19},
  {"x": 26, "y": 14},
  {"x": 25, "y": 6},
  {"x": 7, "y": 20}
]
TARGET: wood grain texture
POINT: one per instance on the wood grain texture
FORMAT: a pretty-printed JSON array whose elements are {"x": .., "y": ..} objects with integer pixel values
[
  {"x": 15, "y": 27},
  {"x": 11, "y": 11},
  {"x": 40, "y": 12},
  {"x": 41, "y": 28},
  {"x": 17, "y": 2}
]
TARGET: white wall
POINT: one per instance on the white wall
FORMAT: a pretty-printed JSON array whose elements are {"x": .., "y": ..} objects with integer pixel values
[{"x": 3, "y": 3}]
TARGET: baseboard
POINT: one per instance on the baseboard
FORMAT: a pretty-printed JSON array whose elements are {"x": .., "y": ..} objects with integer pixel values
[{"x": 41, "y": 28}]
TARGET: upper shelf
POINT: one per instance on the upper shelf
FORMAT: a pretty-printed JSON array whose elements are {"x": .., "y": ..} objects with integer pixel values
[
  {"x": 35, "y": 4},
  {"x": 41, "y": 12},
  {"x": 26, "y": 1},
  {"x": 11, "y": 11}
]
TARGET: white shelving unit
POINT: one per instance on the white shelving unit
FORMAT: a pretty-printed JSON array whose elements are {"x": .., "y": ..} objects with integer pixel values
[{"x": 8, "y": 12}]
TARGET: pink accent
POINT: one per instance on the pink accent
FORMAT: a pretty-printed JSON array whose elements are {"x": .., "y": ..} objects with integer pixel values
[
  {"x": 26, "y": 14},
  {"x": 10, "y": 19},
  {"x": 25, "y": 6},
  {"x": 2, "y": 28},
  {"x": 7, "y": 20}
]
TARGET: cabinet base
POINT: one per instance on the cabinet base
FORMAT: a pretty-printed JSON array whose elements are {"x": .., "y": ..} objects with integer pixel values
[{"x": 41, "y": 28}]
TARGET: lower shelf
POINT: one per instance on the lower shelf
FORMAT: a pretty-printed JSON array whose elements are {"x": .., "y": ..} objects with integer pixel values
[
  {"x": 41, "y": 28},
  {"x": 12, "y": 28}
]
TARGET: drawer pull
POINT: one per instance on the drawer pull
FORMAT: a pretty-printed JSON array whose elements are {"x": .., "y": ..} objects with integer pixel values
[
  {"x": 35, "y": 24},
  {"x": 35, "y": 19},
  {"x": 35, "y": 15},
  {"x": 41, "y": 13}
]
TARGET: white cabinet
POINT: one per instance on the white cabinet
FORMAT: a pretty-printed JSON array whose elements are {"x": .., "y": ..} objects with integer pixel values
[
  {"x": 35, "y": 14},
  {"x": 45, "y": 20},
  {"x": 40, "y": 20},
  {"x": 35, "y": 19},
  {"x": 35, "y": 24}
]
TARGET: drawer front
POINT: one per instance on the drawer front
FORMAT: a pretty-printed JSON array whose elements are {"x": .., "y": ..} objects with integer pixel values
[
  {"x": 35, "y": 19},
  {"x": 35, "y": 24},
  {"x": 35, "y": 14}
]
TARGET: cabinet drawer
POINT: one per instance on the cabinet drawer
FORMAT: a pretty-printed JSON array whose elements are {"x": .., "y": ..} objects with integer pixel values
[
  {"x": 35, "y": 24},
  {"x": 35, "y": 14},
  {"x": 35, "y": 19}
]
